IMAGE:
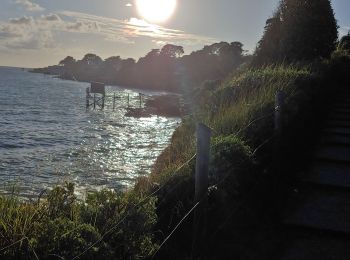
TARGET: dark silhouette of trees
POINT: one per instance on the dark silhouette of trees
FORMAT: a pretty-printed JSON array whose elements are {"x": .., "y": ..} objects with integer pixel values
[
  {"x": 299, "y": 30},
  {"x": 214, "y": 61},
  {"x": 68, "y": 61},
  {"x": 159, "y": 69},
  {"x": 91, "y": 60},
  {"x": 344, "y": 43},
  {"x": 172, "y": 51}
]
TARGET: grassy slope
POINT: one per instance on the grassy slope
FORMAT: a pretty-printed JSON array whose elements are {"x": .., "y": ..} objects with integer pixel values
[
  {"x": 244, "y": 178},
  {"x": 240, "y": 113}
]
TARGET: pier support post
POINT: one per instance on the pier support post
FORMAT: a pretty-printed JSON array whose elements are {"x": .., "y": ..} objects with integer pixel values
[
  {"x": 87, "y": 98},
  {"x": 201, "y": 189},
  {"x": 114, "y": 101},
  {"x": 140, "y": 97},
  {"x": 103, "y": 101},
  {"x": 128, "y": 100},
  {"x": 94, "y": 101}
]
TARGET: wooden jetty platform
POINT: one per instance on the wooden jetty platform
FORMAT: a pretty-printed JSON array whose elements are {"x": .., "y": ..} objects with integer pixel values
[{"x": 96, "y": 98}]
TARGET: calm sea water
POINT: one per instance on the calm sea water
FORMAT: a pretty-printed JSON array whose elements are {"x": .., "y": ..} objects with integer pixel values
[{"x": 47, "y": 136}]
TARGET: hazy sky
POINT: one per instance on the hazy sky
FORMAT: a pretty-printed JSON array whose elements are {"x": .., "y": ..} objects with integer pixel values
[{"x": 37, "y": 33}]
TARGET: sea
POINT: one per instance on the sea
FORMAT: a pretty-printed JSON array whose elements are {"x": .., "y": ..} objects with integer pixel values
[{"x": 47, "y": 137}]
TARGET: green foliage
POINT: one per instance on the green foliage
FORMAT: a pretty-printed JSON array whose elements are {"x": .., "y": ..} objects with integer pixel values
[
  {"x": 248, "y": 96},
  {"x": 344, "y": 43},
  {"x": 299, "y": 30},
  {"x": 108, "y": 209},
  {"x": 107, "y": 225},
  {"x": 17, "y": 226},
  {"x": 66, "y": 239},
  {"x": 61, "y": 202},
  {"x": 232, "y": 169},
  {"x": 230, "y": 155},
  {"x": 177, "y": 153}
]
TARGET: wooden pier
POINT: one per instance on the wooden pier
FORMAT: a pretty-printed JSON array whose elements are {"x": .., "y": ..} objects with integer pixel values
[{"x": 96, "y": 98}]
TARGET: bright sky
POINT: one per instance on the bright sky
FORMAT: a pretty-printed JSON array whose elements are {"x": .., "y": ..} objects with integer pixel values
[{"x": 36, "y": 33}]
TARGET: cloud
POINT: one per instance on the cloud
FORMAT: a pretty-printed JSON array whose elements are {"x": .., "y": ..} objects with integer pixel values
[
  {"x": 42, "y": 32},
  {"x": 51, "y": 18},
  {"x": 22, "y": 21},
  {"x": 127, "y": 30},
  {"x": 30, "y": 6},
  {"x": 6, "y": 32},
  {"x": 29, "y": 33}
]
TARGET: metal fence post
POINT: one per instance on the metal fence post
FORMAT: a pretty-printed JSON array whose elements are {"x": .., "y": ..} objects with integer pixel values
[
  {"x": 201, "y": 188},
  {"x": 279, "y": 107}
]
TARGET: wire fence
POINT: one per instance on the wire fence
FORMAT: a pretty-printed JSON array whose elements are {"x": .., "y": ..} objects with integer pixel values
[
  {"x": 155, "y": 192},
  {"x": 166, "y": 183}
]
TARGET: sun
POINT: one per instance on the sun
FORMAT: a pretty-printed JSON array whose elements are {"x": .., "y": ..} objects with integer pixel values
[{"x": 156, "y": 10}]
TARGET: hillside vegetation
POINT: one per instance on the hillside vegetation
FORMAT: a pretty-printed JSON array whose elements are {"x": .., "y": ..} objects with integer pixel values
[{"x": 250, "y": 170}]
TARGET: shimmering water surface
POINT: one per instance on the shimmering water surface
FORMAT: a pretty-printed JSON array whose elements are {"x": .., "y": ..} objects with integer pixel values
[{"x": 47, "y": 137}]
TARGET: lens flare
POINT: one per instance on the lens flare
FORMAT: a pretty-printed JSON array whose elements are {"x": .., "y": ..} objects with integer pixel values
[{"x": 156, "y": 10}]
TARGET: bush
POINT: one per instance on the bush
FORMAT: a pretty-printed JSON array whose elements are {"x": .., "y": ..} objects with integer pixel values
[
  {"x": 107, "y": 225},
  {"x": 66, "y": 239},
  {"x": 232, "y": 159},
  {"x": 134, "y": 236}
]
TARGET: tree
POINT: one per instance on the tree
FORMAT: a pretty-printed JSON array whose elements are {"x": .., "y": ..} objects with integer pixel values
[
  {"x": 69, "y": 60},
  {"x": 172, "y": 51},
  {"x": 92, "y": 59},
  {"x": 214, "y": 61},
  {"x": 299, "y": 30},
  {"x": 113, "y": 61},
  {"x": 344, "y": 43}
]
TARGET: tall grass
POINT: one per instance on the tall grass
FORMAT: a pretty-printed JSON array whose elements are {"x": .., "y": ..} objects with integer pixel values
[
  {"x": 231, "y": 107},
  {"x": 107, "y": 225},
  {"x": 240, "y": 112},
  {"x": 251, "y": 95}
]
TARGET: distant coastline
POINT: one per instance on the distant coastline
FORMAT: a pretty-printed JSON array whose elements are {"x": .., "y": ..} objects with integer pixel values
[{"x": 166, "y": 69}]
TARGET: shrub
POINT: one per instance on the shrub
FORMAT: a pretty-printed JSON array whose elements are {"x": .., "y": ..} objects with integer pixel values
[
  {"x": 66, "y": 239},
  {"x": 299, "y": 30},
  {"x": 126, "y": 220},
  {"x": 107, "y": 225}
]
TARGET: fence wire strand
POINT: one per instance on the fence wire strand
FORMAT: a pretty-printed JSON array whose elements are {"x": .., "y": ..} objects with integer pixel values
[
  {"x": 254, "y": 121},
  {"x": 135, "y": 207},
  {"x": 176, "y": 227}
]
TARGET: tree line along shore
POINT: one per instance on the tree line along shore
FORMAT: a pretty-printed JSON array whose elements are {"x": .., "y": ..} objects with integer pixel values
[{"x": 249, "y": 175}]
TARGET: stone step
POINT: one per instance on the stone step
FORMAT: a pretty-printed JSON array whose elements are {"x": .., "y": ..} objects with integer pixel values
[
  {"x": 335, "y": 139},
  {"x": 318, "y": 209},
  {"x": 336, "y": 153},
  {"x": 337, "y": 131},
  {"x": 330, "y": 174},
  {"x": 344, "y": 98},
  {"x": 317, "y": 248},
  {"x": 338, "y": 123},
  {"x": 341, "y": 110},
  {"x": 338, "y": 117},
  {"x": 341, "y": 106}
]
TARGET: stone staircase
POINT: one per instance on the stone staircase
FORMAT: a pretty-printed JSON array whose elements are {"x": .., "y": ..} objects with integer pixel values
[{"x": 317, "y": 218}]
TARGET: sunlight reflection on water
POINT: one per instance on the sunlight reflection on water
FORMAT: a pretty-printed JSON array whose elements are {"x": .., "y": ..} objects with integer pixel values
[{"x": 47, "y": 137}]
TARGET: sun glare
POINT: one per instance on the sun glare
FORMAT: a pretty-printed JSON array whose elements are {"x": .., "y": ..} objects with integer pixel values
[{"x": 156, "y": 10}]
